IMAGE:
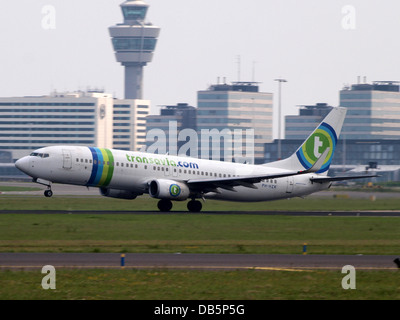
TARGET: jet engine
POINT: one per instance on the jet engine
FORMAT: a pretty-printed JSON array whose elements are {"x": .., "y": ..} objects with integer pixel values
[
  {"x": 119, "y": 194},
  {"x": 168, "y": 189}
]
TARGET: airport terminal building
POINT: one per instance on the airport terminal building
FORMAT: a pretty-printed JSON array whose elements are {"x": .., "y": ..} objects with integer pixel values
[
  {"x": 373, "y": 110},
  {"x": 370, "y": 134},
  {"x": 172, "y": 120},
  {"x": 129, "y": 123},
  {"x": 92, "y": 118},
  {"x": 237, "y": 106},
  {"x": 79, "y": 118}
]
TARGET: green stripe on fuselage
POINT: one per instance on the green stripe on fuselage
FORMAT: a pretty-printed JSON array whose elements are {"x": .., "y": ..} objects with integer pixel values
[
  {"x": 110, "y": 170},
  {"x": 106, "y": 165}
]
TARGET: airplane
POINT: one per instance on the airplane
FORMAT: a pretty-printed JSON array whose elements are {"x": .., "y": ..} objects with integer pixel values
[{"x": 129, "y": 174}]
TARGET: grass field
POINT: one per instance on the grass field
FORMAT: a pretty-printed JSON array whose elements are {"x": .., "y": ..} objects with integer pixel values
[
  {"x": 98, "y": 203},
  {"x": 198, "y": 285},
  {"x": 199, "y": 233}
]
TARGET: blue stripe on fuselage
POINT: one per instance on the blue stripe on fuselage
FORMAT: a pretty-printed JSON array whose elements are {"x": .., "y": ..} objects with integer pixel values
[
  {"x": 99, "y": 167},
  {"x": 94, "y": 168}
]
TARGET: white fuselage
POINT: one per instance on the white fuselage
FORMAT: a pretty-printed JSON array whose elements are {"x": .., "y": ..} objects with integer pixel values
[{"x": 132, "y": 171}]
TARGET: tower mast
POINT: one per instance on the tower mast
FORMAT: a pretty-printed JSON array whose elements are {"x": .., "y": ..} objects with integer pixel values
[{"x": 134, "y": 42}]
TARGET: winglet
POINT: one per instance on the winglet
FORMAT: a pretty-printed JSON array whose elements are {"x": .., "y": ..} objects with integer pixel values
[{"x": 320, "y": 162}]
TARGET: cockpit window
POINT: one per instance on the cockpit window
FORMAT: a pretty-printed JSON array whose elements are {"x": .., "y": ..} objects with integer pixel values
[{"x": 40, "y": 155}]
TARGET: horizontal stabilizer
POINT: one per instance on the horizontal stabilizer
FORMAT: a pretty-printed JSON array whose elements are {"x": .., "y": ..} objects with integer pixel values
[{"x": 342, "y": 178}]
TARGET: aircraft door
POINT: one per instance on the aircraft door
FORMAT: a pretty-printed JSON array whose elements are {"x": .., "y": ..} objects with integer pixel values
[
  {"x": 67, "y": 159},
  {"x": 290, "y": 184}
]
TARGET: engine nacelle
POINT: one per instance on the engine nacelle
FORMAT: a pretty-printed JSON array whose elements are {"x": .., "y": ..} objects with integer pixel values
[
  {"x": 119, "y": 194},
  {"x": 168, "y": 189}
]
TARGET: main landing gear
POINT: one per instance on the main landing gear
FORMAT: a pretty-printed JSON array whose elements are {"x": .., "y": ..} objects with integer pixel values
[
  {"x": 48, "y": 193},
  {"x": 194, "y": 206},
  {"x": 165, "y": 205}
]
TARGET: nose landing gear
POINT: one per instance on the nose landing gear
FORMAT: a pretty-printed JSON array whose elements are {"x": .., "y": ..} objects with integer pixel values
[{"x": 48, "y": 193}]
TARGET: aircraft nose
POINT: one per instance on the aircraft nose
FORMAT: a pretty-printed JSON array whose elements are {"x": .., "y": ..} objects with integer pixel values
[{"x": 23, "y": 164}]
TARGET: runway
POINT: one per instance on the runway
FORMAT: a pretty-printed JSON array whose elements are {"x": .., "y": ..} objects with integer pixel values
[
  {"x": 290, "y": 262},
  {"x": 71, "y": 190},
  {"x": 266, "y": 213}
]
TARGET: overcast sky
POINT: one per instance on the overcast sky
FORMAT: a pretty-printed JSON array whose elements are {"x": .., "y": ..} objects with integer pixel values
[{"x": 318, "y": 46}]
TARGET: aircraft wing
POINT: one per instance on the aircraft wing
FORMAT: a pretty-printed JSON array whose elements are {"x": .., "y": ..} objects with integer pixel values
[
  {"x": 341, "y": 178},
  {"x": 211, "y": 185}
]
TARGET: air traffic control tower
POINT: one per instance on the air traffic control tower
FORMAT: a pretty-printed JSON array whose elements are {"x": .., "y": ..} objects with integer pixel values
[{"x": 134, "y": 43}]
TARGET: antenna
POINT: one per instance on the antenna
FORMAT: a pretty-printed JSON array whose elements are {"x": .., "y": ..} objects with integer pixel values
[
  {"x": 254, "y": 72},
  {"x": 239, "y": 65}
]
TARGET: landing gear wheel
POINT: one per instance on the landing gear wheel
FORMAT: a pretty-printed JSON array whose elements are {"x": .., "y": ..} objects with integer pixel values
[
  {"x": 164, "y": 205},
  {"x": 194, "y": 206},
  {"x": 48, "y": 193}
]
